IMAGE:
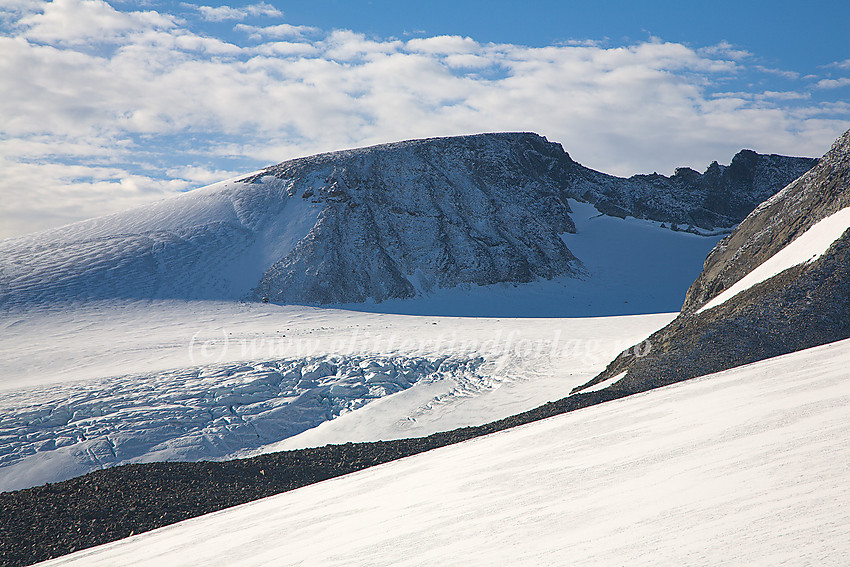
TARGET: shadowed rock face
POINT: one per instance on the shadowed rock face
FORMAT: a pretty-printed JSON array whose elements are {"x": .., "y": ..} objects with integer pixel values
[
  {"x": 804, "y": 306},
  {"x": 779, "y": 220},
  {"x": 717, "y": 199},
  {"x": 411, "y": 216}
]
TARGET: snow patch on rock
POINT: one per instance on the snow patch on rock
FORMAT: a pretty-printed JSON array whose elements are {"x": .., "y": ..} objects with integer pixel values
[{"x": 807, "y": 247}]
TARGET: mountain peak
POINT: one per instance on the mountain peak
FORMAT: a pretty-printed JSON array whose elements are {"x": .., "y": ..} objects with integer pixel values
[{"x": 425, "y": 214}]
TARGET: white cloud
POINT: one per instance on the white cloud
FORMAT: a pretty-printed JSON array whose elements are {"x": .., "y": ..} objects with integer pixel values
[
  {"x": 586, "y": 42},
  {"x": 197, "y": 176},
  {"x": 76, "y": 22},
  {"x": 793, "y": 75},
  {"x": 167, "y": 107},
  {"x": 16, "y": 8},
  {"x": 467, "y": 60},
  {"x": 444, "y": 45},
  {"x": 224, "y": 13},
  {"x": 833, "y": 83},
  {"x": 786, "y": 95},
  {"x": 285, "y": 49},
  {"x": 840, "y": 64},
  {"x": 279, "y": 31},
  {"x": 725, "y": 49},
  {"x": 38, "y": 196},
  {"x": 345, "y": 45}
]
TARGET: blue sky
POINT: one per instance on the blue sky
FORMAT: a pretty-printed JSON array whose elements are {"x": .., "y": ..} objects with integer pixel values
[
  {"x": 796, "y": 35},
  {"x": 107, "y": 105}
]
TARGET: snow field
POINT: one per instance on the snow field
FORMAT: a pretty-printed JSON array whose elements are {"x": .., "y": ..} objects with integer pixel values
[
  {"x": 745, "y": 467},
  {"x": 211, "y": 243}
]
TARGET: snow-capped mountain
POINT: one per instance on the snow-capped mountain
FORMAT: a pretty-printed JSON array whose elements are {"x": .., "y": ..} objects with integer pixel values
[
  {"x": 418, "y": 215},
  {"x": 116, "y": 371},
  {"x": 375, "y": 223},
  {"x": 390, "y": 221},
  {"x": 778, "y": 284}
]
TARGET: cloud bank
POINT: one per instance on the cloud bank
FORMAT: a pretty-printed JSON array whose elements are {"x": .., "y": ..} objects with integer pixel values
[{"x": 103, "y": 108}]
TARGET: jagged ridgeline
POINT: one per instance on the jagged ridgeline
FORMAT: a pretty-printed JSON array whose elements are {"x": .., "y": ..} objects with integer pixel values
[
  {"x": 388, "y": 221},
  {"x": 778, "y": 284}
]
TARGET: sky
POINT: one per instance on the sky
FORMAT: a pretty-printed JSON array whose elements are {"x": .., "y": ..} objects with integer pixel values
[{"x": 109, "y": 105}]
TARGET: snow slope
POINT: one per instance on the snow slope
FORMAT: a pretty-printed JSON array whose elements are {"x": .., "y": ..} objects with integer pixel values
[
  {"x": 745, "y": 467},
  {"x": 211, "y": 243}
]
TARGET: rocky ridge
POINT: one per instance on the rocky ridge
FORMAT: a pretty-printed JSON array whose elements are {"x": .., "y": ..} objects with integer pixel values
[
  {"x": 717, "y": 199},
  {"x": 408, "y": 217},
  {"x": 403, "y": 218}
]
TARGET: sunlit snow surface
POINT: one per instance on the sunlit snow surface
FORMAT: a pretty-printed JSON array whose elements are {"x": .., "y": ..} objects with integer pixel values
[
  {"x": 211, "y": 243},
  {"x": 745, "y": 467}
]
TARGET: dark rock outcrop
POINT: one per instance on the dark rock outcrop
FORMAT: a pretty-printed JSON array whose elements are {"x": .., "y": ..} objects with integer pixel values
[
  {"x": 779, "y": 220},
  {"x": 717, "y": 199}
]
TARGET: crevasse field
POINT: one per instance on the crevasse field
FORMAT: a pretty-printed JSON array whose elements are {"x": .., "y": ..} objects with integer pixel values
[{"x": 745, "y": 467}]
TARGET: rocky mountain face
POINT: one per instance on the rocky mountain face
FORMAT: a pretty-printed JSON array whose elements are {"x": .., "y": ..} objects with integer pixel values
[
  {"x": 776, "y": 223},
  {"x": 389, "y": 221},
  {"x": 804, "y": 305},
  {"x": 403, "y": 218},
  {"x": 408, "y": 217}
]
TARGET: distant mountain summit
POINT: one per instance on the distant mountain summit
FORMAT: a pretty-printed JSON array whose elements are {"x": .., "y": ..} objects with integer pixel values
[
  {"x": 370, "y": 224},
  {"x": 778, "y": 284}
]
